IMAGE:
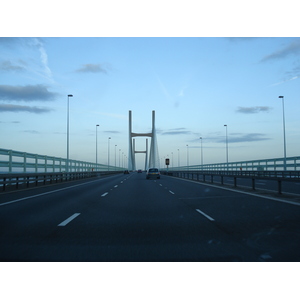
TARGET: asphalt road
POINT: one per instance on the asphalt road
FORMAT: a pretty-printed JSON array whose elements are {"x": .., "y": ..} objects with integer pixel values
[{"x": 129, "y": 218}]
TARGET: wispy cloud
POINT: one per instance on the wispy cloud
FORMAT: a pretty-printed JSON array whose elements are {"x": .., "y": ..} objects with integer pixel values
[
  {"x": 27, "y": 93},
  {"x": 7, "y": 65},
  {"x": 250, "y": 137},
  {"x": 93, "y": 68},
  {"x": 176, "y": 131},
  {"x": 112, "y": 131},
  {"x": 253, "y": 110},
  {"x": 23, "y": 108},
  {"x": 31, "y": 131},
  {"x": 43, "y": 57},
  {"x": 283, "y": 81},
  {"x": 292, "y": 49}
]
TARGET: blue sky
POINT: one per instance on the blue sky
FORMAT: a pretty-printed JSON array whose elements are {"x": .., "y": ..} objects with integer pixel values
[
  {"x": 195, "y": 85},
  {"x": 198, "y": 66}
]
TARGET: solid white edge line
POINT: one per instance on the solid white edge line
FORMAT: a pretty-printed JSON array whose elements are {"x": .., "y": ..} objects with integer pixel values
[
  {"x": 241, "y": 192},
  {"x": 205, "y": 215},
  {"x": 65, "y": 222},
  {"x": 50, "y": 192}
]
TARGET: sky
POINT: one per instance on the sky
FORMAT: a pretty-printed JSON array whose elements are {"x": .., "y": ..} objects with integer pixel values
[{"x": 196, "y": 84}]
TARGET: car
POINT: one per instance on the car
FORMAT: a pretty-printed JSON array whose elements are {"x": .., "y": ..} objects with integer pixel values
[
  {"x": 126, "y": 172},
  {"x": 139, "y": 171},
  {"x": 153, "y": 173}
]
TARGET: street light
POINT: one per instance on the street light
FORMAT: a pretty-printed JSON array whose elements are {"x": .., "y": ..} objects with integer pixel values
[
  {"x": 115, "y": 157},
  {"x": 201, "y": 154},
  {"x": 284, "y": 142},
  {"x": 68, "y": 133},
  {"x": 178, "y": 159},
  {"x": 108, "y": 153},
  {"x": 226, "y": 147},
  {"x": 187, "y": 156},
  {"x": 96, "y": 147}
]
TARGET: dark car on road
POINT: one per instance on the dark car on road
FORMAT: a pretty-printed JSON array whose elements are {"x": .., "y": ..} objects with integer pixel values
[{"x": 153, "y": 173}]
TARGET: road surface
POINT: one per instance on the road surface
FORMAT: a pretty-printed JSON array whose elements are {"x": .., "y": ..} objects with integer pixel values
[{"x": 128, "y": 218}]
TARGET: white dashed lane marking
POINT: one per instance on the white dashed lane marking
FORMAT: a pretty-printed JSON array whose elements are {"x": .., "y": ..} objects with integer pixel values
[
  {"x": 205, "y": 215},
  {"x": 67, "y": 221}
]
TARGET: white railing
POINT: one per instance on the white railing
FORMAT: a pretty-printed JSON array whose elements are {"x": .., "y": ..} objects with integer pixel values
[
  {"x": 273, "y": 164},
  {"x": 12, "y": 161}
]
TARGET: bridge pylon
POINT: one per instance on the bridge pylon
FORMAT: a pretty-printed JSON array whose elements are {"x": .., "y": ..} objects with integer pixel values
[{"x": 153, "y": 156}]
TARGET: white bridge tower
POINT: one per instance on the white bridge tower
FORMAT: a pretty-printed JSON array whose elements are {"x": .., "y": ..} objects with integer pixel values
[{"x": 153, "y": 157}]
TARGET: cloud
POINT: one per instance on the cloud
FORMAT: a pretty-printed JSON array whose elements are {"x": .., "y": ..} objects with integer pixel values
[
  {"x": 286, "y": 80},
  {"x": 43, "y": 56},
  {"x": 253, "y": 110},
  {"x": 31, "y": 131},
  {"x": 92, "y": 68},
  {"x": 112, "y": 131},
  {"x": 8, "y": 66},
  {"x": 21, "y": 108},
  {"x": 176, "y": 131},
  {"x": 291, "y": 49},
  {"x": 237, "y": 138},
  {"x": 250, "y": 137},
  {"x": 27, "y": 93}
]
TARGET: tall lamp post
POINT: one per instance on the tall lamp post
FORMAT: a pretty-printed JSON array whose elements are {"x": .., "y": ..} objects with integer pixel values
[
  {"x": 68, "y": 133},
  {"x": 284, "y": 141},
  {"x": 96, "y": 146},
  {"x": 201, "y": 154},
  {"x": 115, "y": 157},
  {"x": 187, "y": 156},
  {"x": 178, "y": 159},
  {"x": 108, "y": 153},
  {"x": 226, "y": 147}
]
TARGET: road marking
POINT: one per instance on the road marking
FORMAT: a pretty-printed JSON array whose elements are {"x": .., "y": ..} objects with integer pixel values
[
  {"x": 103, "y": 195},
  {"x": 172, "y": 192},
  {"x": 115, "y": 186},
  {"x": 242, "y": 192},
  {"x": 65, "y": 222},
  {"x": 160, "y": 184},
  {"x": 50, "y": 192},
  {"x": 205, "y": 215}
]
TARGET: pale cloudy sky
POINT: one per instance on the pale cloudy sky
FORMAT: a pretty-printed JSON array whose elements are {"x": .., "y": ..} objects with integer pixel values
[{"x": 195, "y": 84}]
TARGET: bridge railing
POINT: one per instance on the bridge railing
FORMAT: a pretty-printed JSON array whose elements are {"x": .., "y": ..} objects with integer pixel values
[
  {"x": 211, "y": 176},
  {"x": 272, "y": 164},
  {"x": 12, "y": 161}
]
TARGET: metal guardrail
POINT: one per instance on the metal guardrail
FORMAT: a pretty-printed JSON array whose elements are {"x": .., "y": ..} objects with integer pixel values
[
  {"x": 12, "y": 161},
  {"x": 272, "y": 164},
  {"x": 278, "y": 176},
  {"x": 14, "y": 181}
]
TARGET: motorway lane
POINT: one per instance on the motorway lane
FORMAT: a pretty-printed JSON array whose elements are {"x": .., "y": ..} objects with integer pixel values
[
  {"x": 129, "y": 218},
  {"x": 27, "y": 226},
  {"x": 269, "y": 227}
]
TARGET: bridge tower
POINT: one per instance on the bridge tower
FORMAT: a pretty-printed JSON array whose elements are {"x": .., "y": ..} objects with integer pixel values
[{"x": 153, "y": 157}]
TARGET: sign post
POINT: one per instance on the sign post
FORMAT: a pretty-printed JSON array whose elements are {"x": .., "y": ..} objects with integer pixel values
[{"x": 167, "y": 164}]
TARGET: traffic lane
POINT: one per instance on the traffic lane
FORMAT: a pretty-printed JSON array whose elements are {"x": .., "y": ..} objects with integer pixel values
[
  {"x": 50, "y": 188},
  {"x": 141, "y": 221},
  {"x": 33, "y": 220},
  {"x": 269, "y": 226}
]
